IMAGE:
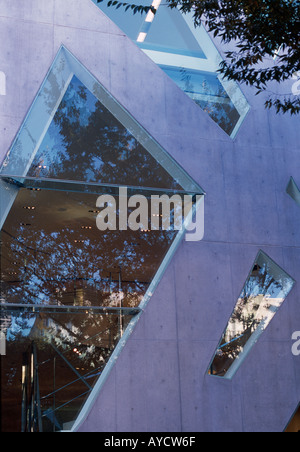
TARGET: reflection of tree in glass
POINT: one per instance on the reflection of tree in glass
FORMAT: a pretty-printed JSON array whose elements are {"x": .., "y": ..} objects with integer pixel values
[
  {"x": 72, "y": 351},
  {"x": 186, "y": 78},
  {"x": 223, "y": 113},
  {"x": 251, "y": 310},
  {"x": 86, "y": 142},
  {"x": 54, "y": 270},
  {"x": 49, "y": 259},
  {"x": 212, "y": 98}
]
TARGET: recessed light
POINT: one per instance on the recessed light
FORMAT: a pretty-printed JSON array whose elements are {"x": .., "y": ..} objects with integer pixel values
[{"x": 141, "y": 37}]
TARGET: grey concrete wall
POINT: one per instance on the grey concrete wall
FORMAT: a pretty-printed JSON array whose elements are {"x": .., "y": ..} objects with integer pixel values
[{"x": 159, "y": 383}]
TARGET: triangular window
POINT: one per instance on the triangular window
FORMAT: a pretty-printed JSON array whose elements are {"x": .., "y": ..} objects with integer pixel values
[{"x": 188, "y": 56}]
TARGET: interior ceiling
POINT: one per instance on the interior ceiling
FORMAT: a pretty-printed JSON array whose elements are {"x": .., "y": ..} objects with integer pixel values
[{"x": 53, "y": 236}]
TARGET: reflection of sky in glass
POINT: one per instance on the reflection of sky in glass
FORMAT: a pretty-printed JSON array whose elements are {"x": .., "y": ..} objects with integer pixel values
[
  {"x": 263, "y": 294},
  {"x": 53, "y": 253},
  {"x": 75, "y": 130},
  {"x": 86, "y": 142},
  {"x": 169, "y": 33},
  {"x": 293, "y": 191},
  {"x": 207, "y": 91},
  {"x": 48, "y": 258},
  {"x": 20, "y": 326}
]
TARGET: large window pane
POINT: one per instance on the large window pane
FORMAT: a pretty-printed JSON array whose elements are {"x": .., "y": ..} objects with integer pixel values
[
  {"x": 188, "y": 56},
  {"x": 264, "y": 292},
  {"x": 77, "y": 131},
  {"x": 53, "y": 253}
]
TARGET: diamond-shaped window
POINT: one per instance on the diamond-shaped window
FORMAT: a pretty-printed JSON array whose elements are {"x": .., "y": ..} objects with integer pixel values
[
  {"x": 293, "y": 190},
  {"x": 70, "y": 291},
  {"x": 187, "y": 55},
  {"x": 264, "y": 292}
]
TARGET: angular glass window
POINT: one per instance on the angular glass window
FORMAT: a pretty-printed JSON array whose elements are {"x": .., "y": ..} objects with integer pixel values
[
  {"x": 293, "y": 190},
  {"x": 264, "y": 292},
  {"x": 294, "y": 424},
  {"x": 188, "y": 56},
  {"x": 69, "y": 290}
]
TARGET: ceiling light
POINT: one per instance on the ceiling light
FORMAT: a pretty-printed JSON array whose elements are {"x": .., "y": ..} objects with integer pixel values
[{"x": 141, "y": 37}]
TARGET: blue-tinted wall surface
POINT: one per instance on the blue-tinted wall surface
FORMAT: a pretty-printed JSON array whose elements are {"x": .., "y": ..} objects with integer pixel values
[{"x": 159, "y": 383}]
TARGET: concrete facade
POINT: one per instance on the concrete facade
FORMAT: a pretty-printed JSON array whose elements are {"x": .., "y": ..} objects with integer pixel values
[{"x": 159, "y": 383}]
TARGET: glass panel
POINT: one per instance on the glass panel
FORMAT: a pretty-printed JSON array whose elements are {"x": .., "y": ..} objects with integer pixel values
[
  {"x": 293, "y": 191},
  {"x": 128, "y": 22},
  {"x": 75, "y": 130},
  {"x": 264, "y": 292},
  {"x": 294, "y": 424},
  {"x": 53, "y": 253},
  {"x": 207, "y": 91},
  {"x": 187, "y": 56},
  {"x": 63, "y": 284},
  {"x": 17, "y": 182},
  {"x": 86, "y": 142},
  {"x": 169, "y": 33},
  {"x": 69, "y": 351},
  {"x": 69, "y": 288}
]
